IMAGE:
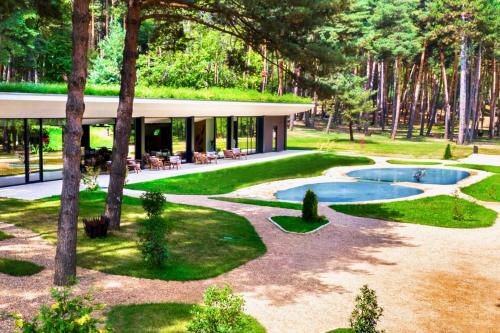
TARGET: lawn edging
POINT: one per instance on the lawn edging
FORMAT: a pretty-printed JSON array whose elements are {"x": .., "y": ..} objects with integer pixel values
[{"x": 270, "y": 218}]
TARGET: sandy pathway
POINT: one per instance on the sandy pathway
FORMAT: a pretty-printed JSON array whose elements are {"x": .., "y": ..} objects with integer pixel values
[{"x": 428, "y": 279}]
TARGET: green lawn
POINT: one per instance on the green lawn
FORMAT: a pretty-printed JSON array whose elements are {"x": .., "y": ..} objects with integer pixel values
[
  {"x": 277, "y": 204},
  {"x": 297, "y": 224},
  {"x": 482, "y": 167},
  {"x": 4, "y": 236},
  {"x": 161, "y": 318},
  {"x": 438, "y": 211},
  {"x": 202, "y": 242},
  {"x": 487, "y": 189},
  {"x": 230, "y": 179},
  {"x": 376, "y": 144},
  {"x": 18, "y": 267},
  {"x": 213, "y": 93},
  {"x": 412, "y": 162},
  {"x": 342, "y": 330}
]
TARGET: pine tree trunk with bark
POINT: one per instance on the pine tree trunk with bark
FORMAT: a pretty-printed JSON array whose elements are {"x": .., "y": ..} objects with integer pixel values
[
  {"x": 124, "y": 116},
  {"x": 416, "y": 93},
  {"x": 446, "y": 96},
  {"x": 65, "y": 260},
  {"x": 493, "y": 100},
  {"x": 463, "y": 91},
  {"x": 397, "y": 80}
]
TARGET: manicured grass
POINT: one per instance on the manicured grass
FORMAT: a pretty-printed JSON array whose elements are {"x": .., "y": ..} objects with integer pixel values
[
  {"x": 212, "y": 94},
  {"x": 412, "y": 162},
  {"x": 483, "y": 167},
  {"x": 342, "y": 330},
  {"x": 4, "y": 236},
  {"x": 435, "y": 211},
  {"x": 297, "y": 224},
  {"x": 230, "y": 179},
  {"x": 376, "y": 144},
  {"x": 161, "y": 318},
  {"x": 202, "y": 242},
  {"x": 487, "y": 189},
  {"x": 278, "y": 204},
  {"x": 18, "y": 267}
]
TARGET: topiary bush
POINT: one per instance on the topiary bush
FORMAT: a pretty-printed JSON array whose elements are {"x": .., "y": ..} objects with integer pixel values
[
  {"x": 68, "y": 314},
  {"x": 153, "y": 203},
  {"x": 221, "y": 312},
  {"x": 447, "y": 152},
  {"x": 366, "y": 313},
  {"x": 310, "y": 207},
  {"x": 152, "y": 241}
]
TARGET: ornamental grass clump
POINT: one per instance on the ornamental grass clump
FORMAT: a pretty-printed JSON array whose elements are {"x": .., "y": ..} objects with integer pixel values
[
  {"x": 310, "y": 207},
  {"x": 153, "y": 230},
  {"x": 366, "y": 313},
  {"x": 221, "y": 312},
  {"x": 68, "y": 314}
]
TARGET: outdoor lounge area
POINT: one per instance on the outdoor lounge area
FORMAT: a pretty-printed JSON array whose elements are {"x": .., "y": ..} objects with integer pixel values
[{"x": 165, "y": 133}]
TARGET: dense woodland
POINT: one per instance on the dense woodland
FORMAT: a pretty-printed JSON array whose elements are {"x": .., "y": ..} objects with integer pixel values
[{"x": 429, "y": 67}]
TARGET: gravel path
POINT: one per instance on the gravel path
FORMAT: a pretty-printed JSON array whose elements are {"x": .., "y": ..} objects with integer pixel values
[{"x": 428, "y": 279}]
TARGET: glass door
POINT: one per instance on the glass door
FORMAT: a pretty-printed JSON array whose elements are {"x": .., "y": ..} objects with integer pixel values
[{"x": 34, "y": 149}]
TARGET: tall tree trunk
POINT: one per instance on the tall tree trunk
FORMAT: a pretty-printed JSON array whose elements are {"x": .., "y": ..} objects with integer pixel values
[
  {"x": 395, "y": 120},
  {"x": 329, "y": 123},
  {"x": 416, "y": 92},
  {"x": 463, "y": 90},
  {"x": 314, "y": 111},
  {"x": 433, "y": 109},
  {"x": 493, "y": 97},
  {"x": 423, "y": 99},
  {"x": 124, "y": 115},
  {"x": 65, "y": 261},
  {"x": 351, "y": 132},
  {"x": 265, "y": 69},
  {"x": 446, "y": 95},
  {"x": 475, "y": 97},
  {"x": 298, "y": 72},
  {"x": 453, "y": 103},
  {"x": 280, "y": 75}
]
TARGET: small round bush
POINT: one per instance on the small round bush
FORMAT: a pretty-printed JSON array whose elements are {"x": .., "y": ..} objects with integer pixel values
[
  {"x": 152, "y": 241},
  {"x": 310, "y": 207},
  {"x": 222, "y": 311},
  {"x": 153, "y": 203}
]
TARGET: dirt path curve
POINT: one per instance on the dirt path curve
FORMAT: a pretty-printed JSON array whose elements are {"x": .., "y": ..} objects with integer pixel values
[{"x": 428, "y": 279}]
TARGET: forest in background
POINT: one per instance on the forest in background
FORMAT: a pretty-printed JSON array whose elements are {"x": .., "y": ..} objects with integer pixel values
[{"x": 423, "y": 68}]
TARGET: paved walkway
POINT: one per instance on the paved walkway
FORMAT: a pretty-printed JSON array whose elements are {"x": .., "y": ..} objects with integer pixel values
[
  {"x": 42, "y": 190},
  {"x": 481, "y": 159},
  {"x": 427, "y": 279}
]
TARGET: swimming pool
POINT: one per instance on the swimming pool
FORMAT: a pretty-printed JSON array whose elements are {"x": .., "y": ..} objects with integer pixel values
[
  {"x": 348, "y": 191},
  {"x": 430, "y": 175}
]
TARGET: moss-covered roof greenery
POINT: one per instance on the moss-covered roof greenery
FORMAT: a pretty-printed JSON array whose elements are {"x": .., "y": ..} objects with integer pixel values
[{"x": 210, "y": 94}]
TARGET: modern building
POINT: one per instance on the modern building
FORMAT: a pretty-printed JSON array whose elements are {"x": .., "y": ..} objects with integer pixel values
[{"x": 31, "y": 135}]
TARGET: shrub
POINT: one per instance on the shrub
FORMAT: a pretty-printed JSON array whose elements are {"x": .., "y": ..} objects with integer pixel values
[
  {"x": 153, "y": 203},
  {"x": 221, "y": 312},
  {"x": 447, "y": 152},
  {"x": 366, "y": 313},
  {"x": 152, "y": 242},
  {"x": 89, "y": 178},
  {"x": 68, "y": 314},
  {"x": 310, "y": 207},
  {"x": 459, "y": 210}
]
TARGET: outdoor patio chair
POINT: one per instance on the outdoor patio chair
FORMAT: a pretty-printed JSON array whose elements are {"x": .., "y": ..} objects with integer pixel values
[
  {"x": 200, "y": 158},
  {"x": 212, "y": 156},
  {"x": 174, "y": 162},
  {"x": 155, "y": 163},
  {"x": 239, "y": 153},
  {"x": 134, "y": 165},
  {"x": 229, "y": 154}
]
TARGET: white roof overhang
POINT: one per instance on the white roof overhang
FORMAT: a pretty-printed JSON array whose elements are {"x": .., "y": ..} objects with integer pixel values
[{"x": 22, "y": 105}]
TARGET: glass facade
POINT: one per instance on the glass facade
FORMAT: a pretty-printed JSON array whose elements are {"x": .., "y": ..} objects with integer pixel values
[
  {"x": 247, "y": 134},
  {"x": 30, "y": 150},
  {"x": 220, "y": 133},
  {"x": 179, "y": 136}
]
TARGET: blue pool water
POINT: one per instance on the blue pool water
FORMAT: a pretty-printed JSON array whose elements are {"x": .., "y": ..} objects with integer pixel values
[
  {"x": 348, "y": 191},
  {"x": 431, "y": 176}
]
